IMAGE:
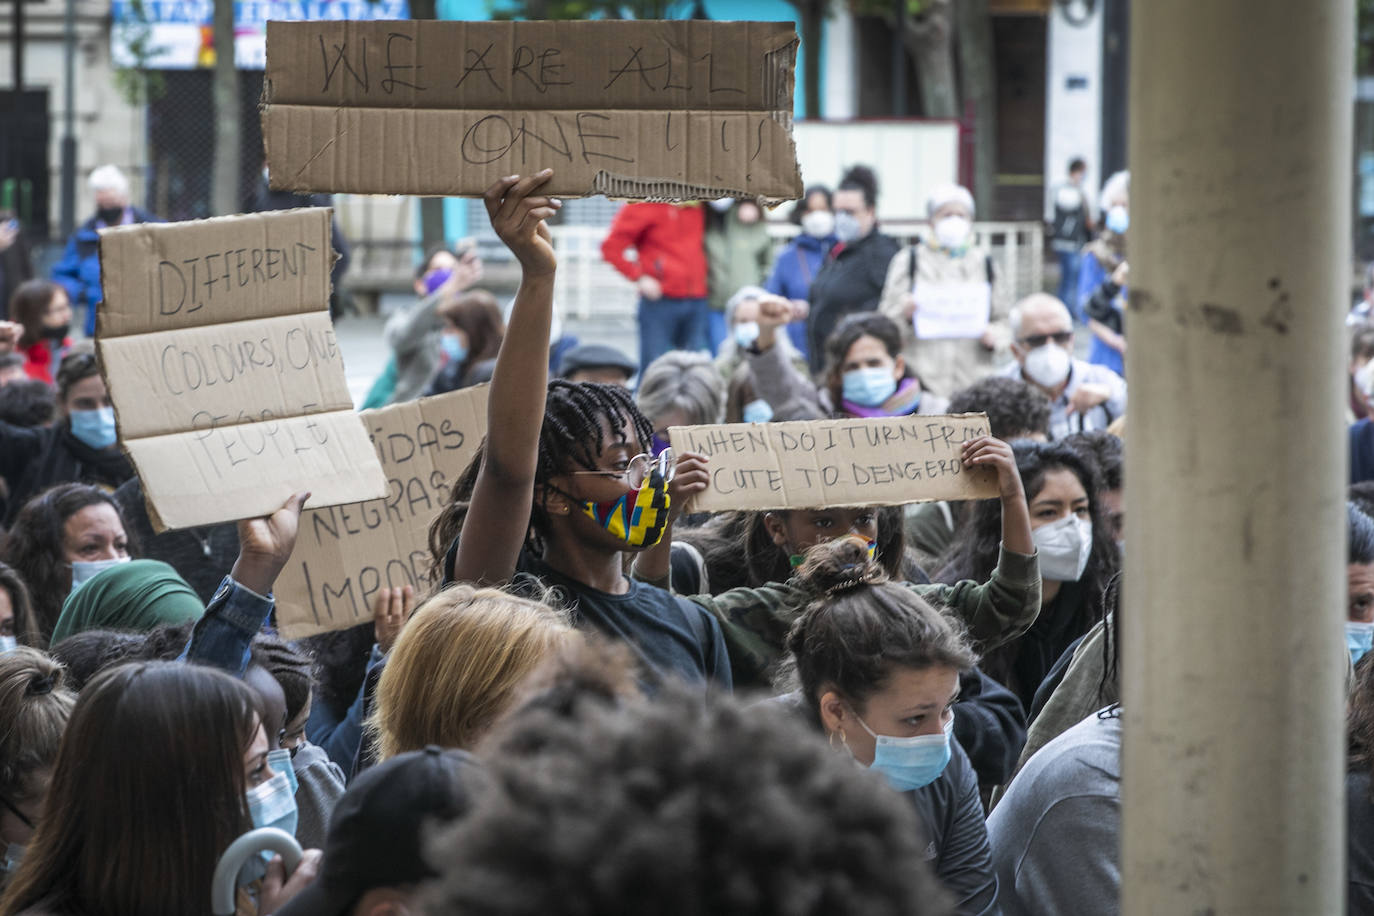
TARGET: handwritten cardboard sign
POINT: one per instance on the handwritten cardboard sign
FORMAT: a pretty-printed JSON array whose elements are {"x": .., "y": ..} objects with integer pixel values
[
  {"x": 812, "y": 464},
  {"x": 345, "y": 554},
  {"x": 227, "y": 380},
  {"x": 664, "y": 110}
]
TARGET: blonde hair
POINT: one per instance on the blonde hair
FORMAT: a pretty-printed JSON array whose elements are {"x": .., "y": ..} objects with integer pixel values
[{"x": 459, "y": 664}]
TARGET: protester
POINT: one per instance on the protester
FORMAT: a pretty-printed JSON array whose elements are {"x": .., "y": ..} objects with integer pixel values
[
  {"x": 1076, "y": 553},
  {"x": 865, "y": 375},
  {"x": 374, "y": 857},
  {"x": 950, "y": 352},
  {"x": 754, "y": 332},
  {"x": 124, "y": 829},
  {"x": 799, "y": 262},
  {"x": 1083, "y": 396},
  {"x": 995, "y": 607},
  {"x": 473, "y": 328},
  {"x": 1015, "y": 411},
  {"x": 851, "y": 279},
  {"x": 1359, "y": 626},
  {"x": 60, "y": 540},
  {"x": 1103, "y": 275},
  {"x": 43, "y": 312},
  {"x": 429, "y": 694},
  {"x": 1105, "y": 450},
  {"x": 317, "y": 781},
  {"x": 80, "y": 447},
  {"x": 563, "y": 487},
  {"x": 138, "y": 595},
  {"x": 79, "y": 269},
  {"x": 414, "y": 334},
  {"x": 679, "y": 389},
  {"x": 597, "y": 363},
  {"x": 35, "y": 706},
  {"x": 738, "y": 253},
  {"x": 877, "y": 670},
  {"x": 18, "y": 622},
  {"x": 1071, "y": 225},
  {"x": 677, "y": 807},
  {"x": 200, "y": 555},
  {"x": 1056, "y": 835},
  {"x": 669, "y": 273}
]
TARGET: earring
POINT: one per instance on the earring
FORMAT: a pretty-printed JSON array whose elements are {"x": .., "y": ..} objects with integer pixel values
[{"x": 844, "y": 742}]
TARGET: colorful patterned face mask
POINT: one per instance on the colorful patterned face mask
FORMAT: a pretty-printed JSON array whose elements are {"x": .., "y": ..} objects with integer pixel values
[{"x": 640, "y": 516}]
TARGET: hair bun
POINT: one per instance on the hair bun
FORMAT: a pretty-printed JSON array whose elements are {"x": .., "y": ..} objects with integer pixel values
[
  {"x": 864, "y": 177},
  {"x": 837, "y": 566},
  {"x": 41, "y": 684}
]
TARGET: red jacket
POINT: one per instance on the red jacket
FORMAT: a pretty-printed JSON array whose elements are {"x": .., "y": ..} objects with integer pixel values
[
  {"x": 40, "y": 359},
  {"x": 668, "y": 238}
]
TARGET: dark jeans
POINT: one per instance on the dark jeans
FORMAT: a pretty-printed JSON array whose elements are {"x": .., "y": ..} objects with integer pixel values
[
  {"x": 1068, "y": 279},
  {"x": 671, "y": 324}
]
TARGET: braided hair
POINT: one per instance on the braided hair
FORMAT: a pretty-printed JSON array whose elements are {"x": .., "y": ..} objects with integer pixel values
[
  {"x": 289, "y": 667},
  {"x": 576, "y": 415}
]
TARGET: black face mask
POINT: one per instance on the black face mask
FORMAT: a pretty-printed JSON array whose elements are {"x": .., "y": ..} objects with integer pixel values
[
  {"x": 110, "y": 216},
  {"x": 58, "y": 333}
]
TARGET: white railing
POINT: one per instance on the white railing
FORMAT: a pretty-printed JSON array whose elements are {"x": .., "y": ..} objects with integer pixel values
[{"x": 588, "y": 288}]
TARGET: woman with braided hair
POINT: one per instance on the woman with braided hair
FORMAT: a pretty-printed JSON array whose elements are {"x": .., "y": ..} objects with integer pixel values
[
  {"x": 876, "y": 668},
  {"x": 564, "y": 486}
]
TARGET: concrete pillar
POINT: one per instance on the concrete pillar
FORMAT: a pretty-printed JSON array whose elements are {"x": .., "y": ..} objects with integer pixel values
[{"x": 1239, "y": 250}]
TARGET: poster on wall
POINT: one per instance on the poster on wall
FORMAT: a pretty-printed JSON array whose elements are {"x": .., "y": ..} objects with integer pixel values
[{"x": 179, "y": 34}]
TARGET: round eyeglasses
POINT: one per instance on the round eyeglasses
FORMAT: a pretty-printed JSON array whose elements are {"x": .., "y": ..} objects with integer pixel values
[{"x": 640, "y": 468}]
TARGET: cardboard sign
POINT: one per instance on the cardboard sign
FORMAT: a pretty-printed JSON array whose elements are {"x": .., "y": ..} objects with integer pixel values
[
  {"x": 819, "y": 463},
  {"x": 661, "y": 110},
  {"x": 345, "y": 554},
  {"x": 952, "y": 310},
  {"x": 227, "y": 380}
]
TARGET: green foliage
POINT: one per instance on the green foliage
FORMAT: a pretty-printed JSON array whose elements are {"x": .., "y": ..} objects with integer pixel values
[{"x": 138, "y": 84}]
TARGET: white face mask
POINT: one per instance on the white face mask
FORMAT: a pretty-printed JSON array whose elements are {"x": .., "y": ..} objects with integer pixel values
[
  {"x": 1064, "y": 547},
  {"x": 818, "y": 223},
  {"x": 953, "y": 232},
  {"x": 1048, "y": 365},
  {"x": 84, "y": 571}
]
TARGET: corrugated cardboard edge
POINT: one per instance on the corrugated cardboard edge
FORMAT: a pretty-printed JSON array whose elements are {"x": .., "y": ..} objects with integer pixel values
[{"x": 154, "y": 519}]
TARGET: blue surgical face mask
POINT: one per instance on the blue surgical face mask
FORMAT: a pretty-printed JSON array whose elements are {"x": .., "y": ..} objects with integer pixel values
[
  {"x": 910, "y": 763},
  {"x": 273, "y": 804},
  {"x": 758, "y": 411},
  {"x": 95, "y": 428},
  {"x": 1359, "y": 639},
  {"x": 84, "y": 571},
  {"x": 8, "y": 644},
  {"x": 847, "y": 227},
  {"x": 1118, "y": 219},
  {"x": 746, "y": 332},
  {"x": 869, "y": 387},
  {"x": 453, "y": 347},
  {"x": 279, "y": 761}
]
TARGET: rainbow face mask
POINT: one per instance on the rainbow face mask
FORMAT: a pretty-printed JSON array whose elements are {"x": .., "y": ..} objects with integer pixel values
[{"x": 639, "y": 517}]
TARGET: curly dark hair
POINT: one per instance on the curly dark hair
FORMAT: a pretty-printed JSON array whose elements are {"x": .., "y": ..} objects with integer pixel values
[
  {"x": 289, "y": 667},
  {"x": 862, "y": 627},
  {"x": 576, "y": 414},
  {"x": 1359, "y": 720},
  {"x": 973, "y": 554},
  {"x": 1362, "y": 495},
  {"x": 677, "y": 807},
  {"x": 1015, "y": 409},
  {"x": 90, "y": 652},
  {"x": 34, "y": 547},
  {"x": 340, "y": 658},
  {"x": 28, "y": 403},
  {"x": 1105, "y": 451}
]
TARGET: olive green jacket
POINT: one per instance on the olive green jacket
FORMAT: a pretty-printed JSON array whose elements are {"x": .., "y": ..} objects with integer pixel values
[{"x": 756, "y": 620}]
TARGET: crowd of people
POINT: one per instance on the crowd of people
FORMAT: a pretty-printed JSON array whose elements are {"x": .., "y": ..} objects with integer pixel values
[{"x": 605, "y": 703}]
